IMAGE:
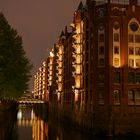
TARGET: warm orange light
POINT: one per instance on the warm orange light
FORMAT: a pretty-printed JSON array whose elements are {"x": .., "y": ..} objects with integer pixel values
[
  {"x": 58, "y": 96},
  {"x": 51, "y": 54},
  {"x": 78, "y": 59},
  {"x": 77, "y": 81},
  {"x": 78, "y": 69},
  {"x": 76, "y": 95},
  {"x": 59, "y": 87}
]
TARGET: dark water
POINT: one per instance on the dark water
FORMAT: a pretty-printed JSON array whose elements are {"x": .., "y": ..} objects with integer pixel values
[{"x": 30, "y": 125}]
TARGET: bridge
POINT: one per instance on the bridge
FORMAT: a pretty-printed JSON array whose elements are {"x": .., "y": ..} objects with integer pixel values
[{"x": 30, "y": 101}]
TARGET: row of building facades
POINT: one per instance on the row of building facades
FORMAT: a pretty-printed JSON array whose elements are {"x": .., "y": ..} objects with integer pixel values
[{"x": 94, "y": 67}]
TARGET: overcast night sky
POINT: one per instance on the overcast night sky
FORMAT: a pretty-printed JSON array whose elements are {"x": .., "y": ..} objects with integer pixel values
[{"x": 39, "y": 22}]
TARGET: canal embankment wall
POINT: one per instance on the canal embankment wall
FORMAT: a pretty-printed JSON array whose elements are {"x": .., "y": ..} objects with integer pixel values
[
  {"x": 8, "y": 115},
  {"x": 103, "y": 121}
]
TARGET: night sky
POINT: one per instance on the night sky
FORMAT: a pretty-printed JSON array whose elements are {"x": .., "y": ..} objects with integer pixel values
[{"x": 39, "y": 22}]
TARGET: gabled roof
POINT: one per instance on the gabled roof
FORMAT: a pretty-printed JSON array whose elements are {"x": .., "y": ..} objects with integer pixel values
[
  {"x": 62, "y": 34},
  {"x": 80, "y": 7}
]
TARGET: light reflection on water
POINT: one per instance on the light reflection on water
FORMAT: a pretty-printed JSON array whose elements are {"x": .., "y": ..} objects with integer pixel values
[{"x": 31, "y": 127}]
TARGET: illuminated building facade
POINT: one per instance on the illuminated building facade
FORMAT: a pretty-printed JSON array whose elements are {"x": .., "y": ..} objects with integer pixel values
[
  {"x": 40, "y": 83},
  {"x": 77, "y": 55},
  {"x": 96, "y": 67},
  {"x": 68, "y": 80},
  {"x": 111, "y": 65},
  {"x": 59, "y": 67},
  {"x": 50, "y": 74}
]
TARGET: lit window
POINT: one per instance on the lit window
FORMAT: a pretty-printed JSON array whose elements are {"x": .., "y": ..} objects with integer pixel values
[
  {"x": 77, "y": 81},
  {"x": 131, "y": 98},
  {"x": 58, "y": 96},
  {"x": 131, "y": 50},
  {"x": 116, "y": 49},
  {"x": 78, "y": 69},
  {"x": 76, "y": 96},
  {"x": 117, "y": 77},
  {"x": 131, "y": 38},
  {"x": 116, "y": 37},
  {"x": 137, "y": 62},
  {"x": 137, "y": 38},
  {"x": 137, "y": 50},
  {"x": 116, "y": 62},
  {"x": 131, "y": 62},
  {"x": 116, "y": 97},
  {"x": 78, "y": 59},
  {"x": 59, "y": 87}
]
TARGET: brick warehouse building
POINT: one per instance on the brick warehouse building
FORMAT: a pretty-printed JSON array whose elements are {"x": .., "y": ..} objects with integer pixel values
[{"x": 99, "y": 74}]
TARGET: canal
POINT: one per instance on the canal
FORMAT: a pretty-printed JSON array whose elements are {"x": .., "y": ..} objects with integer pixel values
[{"x": 32, "y": 124}]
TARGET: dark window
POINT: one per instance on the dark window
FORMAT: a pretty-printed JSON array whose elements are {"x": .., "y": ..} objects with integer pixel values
[
  {"x": 137, "y": 38},
  {"x": 101, "y": 50},
  {"x": 131, "y": 38},
  {"x": 137, "y": 62},
  {"x": 131, "y": 77},
  {"x": 131, "y": 97},
  {"x": 117, "y": 77},
  {"x": 138, "y": 77},
  {"x": 137, "y": 50},
  {"x": 137, "y": 97},
  {"x": 116, "y": 37},
  {"x": 101, "y": 38},
  {"x": 101, "y": 62},
  {"x": 116, "y": 49},
  {"x": 131, "y": 50},
  {"x": 101, "y": 96},
  {"x": 116, "y": 97},
  {"x": 101, "y": 78},
  {"x": 116, "y": 25},
  {"x": 134, "y": 26}
]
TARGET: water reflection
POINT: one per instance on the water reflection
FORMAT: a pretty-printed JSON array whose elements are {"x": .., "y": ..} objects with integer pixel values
[{"x": 31, "y": 126}]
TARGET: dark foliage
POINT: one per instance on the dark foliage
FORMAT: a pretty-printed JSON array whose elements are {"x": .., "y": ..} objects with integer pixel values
[{"x": 14, "y": 65}]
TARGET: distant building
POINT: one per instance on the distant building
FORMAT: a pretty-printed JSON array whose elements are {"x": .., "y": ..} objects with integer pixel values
[{"x": 40, "y": 83}]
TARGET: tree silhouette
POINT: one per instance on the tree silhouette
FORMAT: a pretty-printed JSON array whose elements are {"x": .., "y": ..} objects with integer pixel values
[{"x": 14, "y": 65}]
